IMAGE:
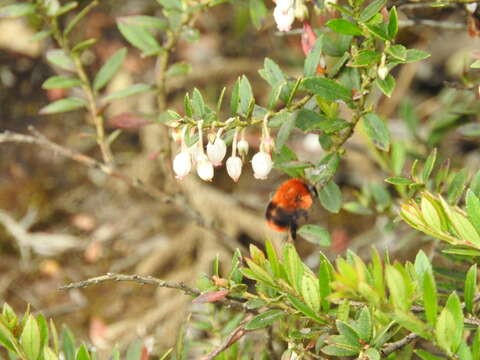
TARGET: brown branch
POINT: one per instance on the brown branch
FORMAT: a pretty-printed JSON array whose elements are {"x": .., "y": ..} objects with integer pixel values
[
  {"x": 397, "y": 345},
  {"x": 446, "y": 25},
  {"x": 143, "y": 280},
  {"x": 231, "y": 339}
]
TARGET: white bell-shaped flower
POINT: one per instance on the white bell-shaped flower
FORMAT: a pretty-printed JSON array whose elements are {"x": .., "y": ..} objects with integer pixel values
[
  {"x": 284, "y": 17},
  {"x": 216, "y": 151},
  {"x": 204, "y": 168},
  {"x": 234, "y": 167},
  {"x": 242, "y": 147},
  {"x": 182, "y": 164},
  {"x": 262, "y": 165}
]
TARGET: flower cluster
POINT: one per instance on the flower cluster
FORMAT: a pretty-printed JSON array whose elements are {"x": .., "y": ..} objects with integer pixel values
[
  {"x": 286, "y": 11},
  {"x": 216, "y": 149}
]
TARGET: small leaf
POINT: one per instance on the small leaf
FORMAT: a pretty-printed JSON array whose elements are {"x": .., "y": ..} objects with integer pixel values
[
  {"x": 151, "y": 22},
  {"x": 178, "y": 69},
  {"x": 109, "y": 69},
  {"x": 398, "y": 52},
  {"x": 364, "y": 325},
  {"x": 313, "y": 58},
  {"x": 59, "y": 58},
  {"x": 310, "y": 292},
  {"x": 84, "y": 45},
  {"x": 340, "y": 350},
  {"x": 387, "y": 85},
  {"x": 82, "y": 353},
  {"x": 365, "y": 58},
  {"x": 17, "y": 10},
  {"x": 372, "y": 9},
  {"x": 30, "y": 339},
  {"x": 331, "y": 197},
  {"x": 398, "y": 180},
  {"x": 473, "y": 209},
  {"x": 264, "y": 319},
  {"x": 328, "y": 89},
  {"x": 63, "y": 105},
  {"x": 68, "y": 344},
  {"x": 349, "y": 333},
  {"x": 414, "y": 55},
  {"x": 345, "y": 27},
  {"x": 284, "y": 132},
  {"x": 470, "y": 288},
  {"x": 129, "y": 91},
  {"x": 139, "y": 37},
  {"x": 429, "y": 292},
  {"x": 300, "y": 306},
  {"x": 393, "y": 22},
  {"x": 315, "y": 234},
  {"x": 325, "y": 169},
  {"x": 61, "y": 82},
  {"x": 134, "y": 350},
  {"x": 428, "y": 167},
  {"x": 377, "y": 131}
]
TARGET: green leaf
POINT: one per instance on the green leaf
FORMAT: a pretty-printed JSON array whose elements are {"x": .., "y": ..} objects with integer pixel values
[
  {"x": 372, "y": 9},
  {"x": 284, "y": 132},
  {"x": 470, "y": 288},
  {"x": 324, "y": 280},
  {"x": 414, "y": 55},
  {"x": 293, "y": 267},
  {"x": 344, "y": 27},
  {"x": 429, "y": 292},
  {"x": 475, "y": 64},
  {"x": 30, "y": 339},
  {"x": 198, "y": 104},
  {"x": 313, "y": 58},
  {"x": 461, "y": 224},
  {"x": 365, "y": 58},
  {"x": 178, "y": 69},
  {"x": 377, "y": 131},
  {"x": 349, "y": 333},
  {"x": 59, "y": 58},
  {"x": 325, "y": 169},
  {"x": 387, "y": 85},
  {"x": 381, "y": 196},
  {"x": 411, "y": 323},
  {"x": 235, "y": 99},
  {"x": 84, "y": 45},
  {"x": 476, "y": 345},
  {"x": 473, "y": 209},
  {"x": 108, "y": 70},
  {"x": 380, "y": 31},
  {"x": 398, "y": 180},
  {"x": 60, "y": 82},
  {"x": 443, "y": 330},
  {"x": 258, "y": 12},
  {"x": 310, "y": 292},
  {"x": 303, "y": 308},
  {"x": 456, "y": 186},
  {"x": 373, "y": 354},
  {"x": 149, "y": 22},
  {"x": 456, "y": 331},
  {"x": 327, "y": 89},
  {"x": 82, "y": 353},
  {"x": 428, "y": 167},
  {"x": 340, "y": 350},
  {"x": 129, "y": 91},
  {"x": 264, "y": 319},
  {"x": 396, "y": 285},
  {"x": 246, "y": 96},
  {"x": 393, "y": 23},
  {"x": 364, "y": 325},
  {"x": 398, "y": 52},
  {"x": 68, "y": 344},
  {"x": 171, "y": 4},
  {"x": 331, "y": 197},
  {"x": 315, "y": 234},
  {"x": 43, "y": 327},
  {"x": 139, "y": 37},
  {"x": 17, "y": 10},
  {"x": 63, "y": 105}
]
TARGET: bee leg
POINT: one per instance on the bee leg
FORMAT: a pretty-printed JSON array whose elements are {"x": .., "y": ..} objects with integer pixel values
[{"x": 293, "y": 230}]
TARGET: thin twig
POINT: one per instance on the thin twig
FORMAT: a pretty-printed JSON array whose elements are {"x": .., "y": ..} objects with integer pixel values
[
  {"x": 397, "y": 345},
  {"x": 144, "y": 280},
  {"x": 446, "y": 25}
]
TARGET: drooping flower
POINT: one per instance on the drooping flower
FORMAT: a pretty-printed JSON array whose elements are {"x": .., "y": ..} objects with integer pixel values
[
  {"x": 262, "y": 165},
  {"x": 182, "y": 163},
  {"x": 284, "y": 14},
  {"x": 216, "y": 150},
  {"x": 204, "y": 168},
  {"x": 234, "y": 167}
]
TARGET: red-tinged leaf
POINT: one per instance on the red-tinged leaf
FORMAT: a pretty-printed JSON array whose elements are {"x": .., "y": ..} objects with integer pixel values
[
  {"x": 308, "y": 38},
  {"x": 211, "y": 296},
  {"x": 129, "y": 121}
]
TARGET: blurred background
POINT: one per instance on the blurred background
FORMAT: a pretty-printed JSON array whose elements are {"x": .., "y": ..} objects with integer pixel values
[{"x": 62, "y": 222}]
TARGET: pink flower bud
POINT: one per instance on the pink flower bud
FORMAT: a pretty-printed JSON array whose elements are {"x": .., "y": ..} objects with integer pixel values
[
  {"x": 234, "y": 167},
  {"x": 284, "y": 16},
  {"x": 242, "y": 147},
  {"x": 204, "y": 168},
  {"x": 216, "y": 151},
  {"x": 182, "y": 164},
  {"x": 261, "y": 165}
]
